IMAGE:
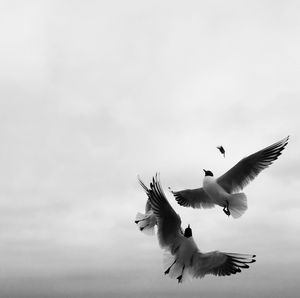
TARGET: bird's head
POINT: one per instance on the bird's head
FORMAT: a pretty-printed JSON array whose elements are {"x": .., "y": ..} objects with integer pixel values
[
  {"x": 188, "y": 232},
  {"x": 208, "y": 173}
]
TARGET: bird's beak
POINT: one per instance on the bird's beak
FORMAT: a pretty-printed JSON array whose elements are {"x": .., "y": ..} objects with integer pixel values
[
  {"x": 188, "y": 226},
  {"x": 204, "y": 171}
]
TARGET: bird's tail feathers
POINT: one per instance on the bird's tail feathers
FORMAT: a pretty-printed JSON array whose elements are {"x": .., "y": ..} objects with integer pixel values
[
  {"x": 146, "y": 222},
  {"x": 237, "y": 204}
]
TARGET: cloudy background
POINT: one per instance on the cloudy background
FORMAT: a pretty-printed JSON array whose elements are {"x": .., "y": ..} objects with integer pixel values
[{"x": 95, "y": 92}]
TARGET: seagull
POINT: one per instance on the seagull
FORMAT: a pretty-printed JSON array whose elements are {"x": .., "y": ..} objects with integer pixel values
[
  {"x": 146, "y": 222},
  {"x": 186, "y": 260},
  {"x": 224, "y": 191},
  {"x": 222, "y": 150}
]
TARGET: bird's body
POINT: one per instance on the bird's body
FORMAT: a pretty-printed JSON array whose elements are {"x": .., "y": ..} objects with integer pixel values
[
  {"x": 225, "y": 190},
  {"x": 217, "y": 194},
  {"x": 233, "y": 204},
  {"x": 185, "y": 258},
  {"x": 186, "y": 251}
]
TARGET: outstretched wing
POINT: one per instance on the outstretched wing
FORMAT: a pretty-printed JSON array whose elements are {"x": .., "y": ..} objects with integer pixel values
[
  {"x": 196, "y": 198},
  {"x": 219, "y": 263},
  {"x": 168, "y": 221},
  {"x": 249, "y": 167}
]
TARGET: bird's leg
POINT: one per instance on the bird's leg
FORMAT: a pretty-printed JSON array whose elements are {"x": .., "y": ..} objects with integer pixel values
[
  {"x": 227, "y": 206},
  {"x": 226, "y": 209},
  {"x": 168, "y": 270},
  {"x": 137, "y": 221},
  {"x": 142, "y": 228},
  {"x": 179, "y": 278}
]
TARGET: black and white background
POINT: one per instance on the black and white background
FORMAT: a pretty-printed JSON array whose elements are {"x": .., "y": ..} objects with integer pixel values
[{"x": 93, "y": 93}]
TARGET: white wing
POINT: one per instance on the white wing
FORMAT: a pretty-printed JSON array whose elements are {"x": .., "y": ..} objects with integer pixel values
[
  {"x": 219, "y": 263},
  {"x": 196, "y": 198},
  {"x": 249, "y": 167},
  {"x": 168, "y": 221}
]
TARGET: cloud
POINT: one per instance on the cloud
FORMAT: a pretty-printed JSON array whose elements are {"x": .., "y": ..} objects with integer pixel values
[{"x": 93, "y": 95}]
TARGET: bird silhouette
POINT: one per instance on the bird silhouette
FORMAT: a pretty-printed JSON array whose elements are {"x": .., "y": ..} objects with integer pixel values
[
  {"x": 185, "y": 258},
  {"x": 224, "y": 191},
  {"x": 222, "y": 150}
]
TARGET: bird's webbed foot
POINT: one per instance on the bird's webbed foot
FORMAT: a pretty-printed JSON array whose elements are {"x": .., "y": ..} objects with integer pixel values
[
  {"x": 139, "y": 220},
  {"x": 168, "y": 270},
  {"x": 142, "y": 228},
  {"x": 226, "y": 209},
  {"x": 179, "y": 278}
]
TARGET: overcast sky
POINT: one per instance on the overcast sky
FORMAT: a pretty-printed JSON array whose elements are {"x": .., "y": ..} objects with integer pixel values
[{"x": 94, "y": 93}]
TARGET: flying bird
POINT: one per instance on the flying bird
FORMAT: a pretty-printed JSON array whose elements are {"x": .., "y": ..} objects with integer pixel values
[
  {"x": 146, "y": 222},
  {"x": 222, "y": 150},
  {"x": 185, "y": 258},
  {"x": 224, "y": 191}
]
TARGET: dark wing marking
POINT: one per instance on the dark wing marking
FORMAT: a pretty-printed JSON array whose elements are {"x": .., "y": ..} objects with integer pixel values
[
  {"x": 196, "y": 198},
  {"x": 220, "y": 263},
  {"x": 249, "y": 167}
]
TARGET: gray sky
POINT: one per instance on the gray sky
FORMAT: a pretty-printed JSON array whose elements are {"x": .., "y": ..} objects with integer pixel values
[{"x": 94, "y": 93}]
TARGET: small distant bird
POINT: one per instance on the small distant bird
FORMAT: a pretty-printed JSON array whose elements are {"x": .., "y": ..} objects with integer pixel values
[
  {"x": 146, "y": 222},
  {"x": 222, "y": 191},
  {"x": 222, "y": 150},
  {"x": 185, "y": 258}
]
